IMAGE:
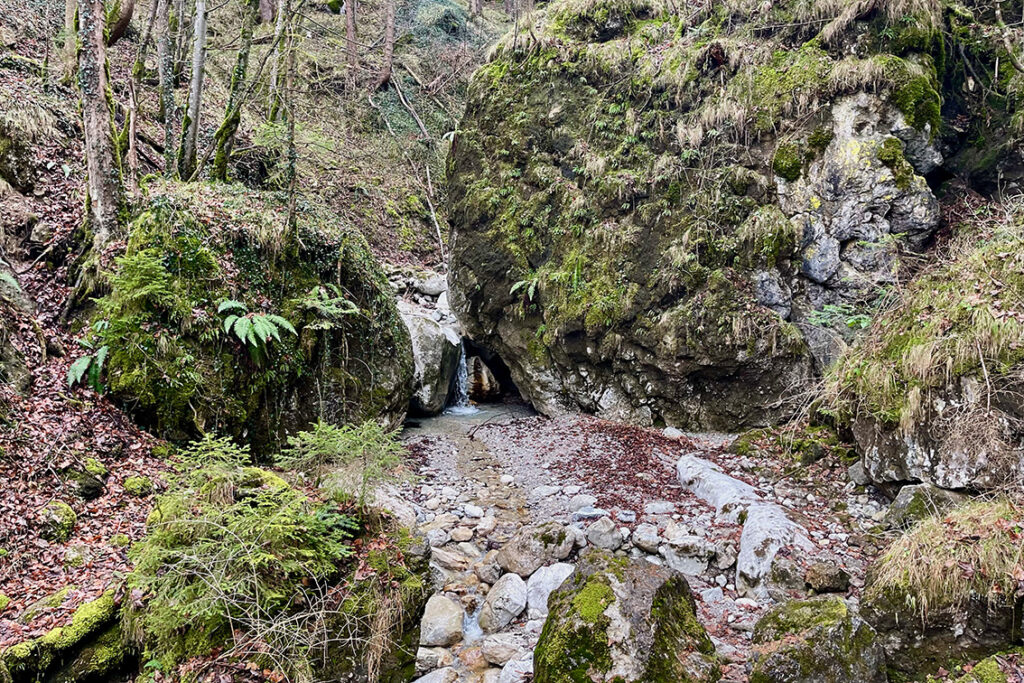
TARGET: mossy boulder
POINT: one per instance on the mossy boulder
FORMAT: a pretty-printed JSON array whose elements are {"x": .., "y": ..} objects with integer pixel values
[
  {"x": 218, "y": 318},
  {"x": 995, "y": 669},
  {"x": 919, "y": 501},
  {"x": 89, "y": 479},
  {"x": 623, "y": 620},
  {"x": 57, "y": 521},
  {"x": 677, "y": 220},
  {"x": 933, "y": 392},
  {"x": 138, "y": 486},
  {"x": 945, "y": 592},
  {"x": 819, "y": 640},
  {"x": 86, "y": 643}
]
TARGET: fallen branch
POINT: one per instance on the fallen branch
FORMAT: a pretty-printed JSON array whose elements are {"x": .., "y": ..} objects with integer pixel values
[{"x": 405, "y": 103}]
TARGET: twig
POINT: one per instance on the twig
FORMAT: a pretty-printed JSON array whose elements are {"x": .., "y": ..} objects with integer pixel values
[
  {"x": 405, "y": 103},
  {"x": 1006, "y": 38}
]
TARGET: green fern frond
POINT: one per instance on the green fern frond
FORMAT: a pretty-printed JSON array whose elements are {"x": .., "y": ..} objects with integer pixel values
[
  {"x": 281, "y": 322},
  {"x": 232, "y": 305}
]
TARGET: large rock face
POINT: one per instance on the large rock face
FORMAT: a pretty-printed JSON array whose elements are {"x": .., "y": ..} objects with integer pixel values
[
  {"x": 435, "y": 349},
  {"x": 623, "y": 620},
  {"x": 677, "y": 224}
]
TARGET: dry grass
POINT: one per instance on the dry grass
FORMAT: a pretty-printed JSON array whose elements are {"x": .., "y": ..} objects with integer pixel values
[{"x": 944, "y": 562}]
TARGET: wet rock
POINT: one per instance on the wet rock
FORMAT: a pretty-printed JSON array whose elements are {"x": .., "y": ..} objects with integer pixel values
[
  {"x": 816, "y": 641},
  {"x": 435, "y": 350},
  {"x": 535, "y": 546},
  {"x": 441, "y": 625},
  {"x": 504, "y": 602},
  {"x": 918, "y": 501},
  {"x": 483, "y": 387},
  {"x": 541, "y": 584},
  {"x": 623, "y": 620},
  {"x": 604, "y": 534},
  {"x": 488, "y": 570},
  {"x": 827, "y": 577}
]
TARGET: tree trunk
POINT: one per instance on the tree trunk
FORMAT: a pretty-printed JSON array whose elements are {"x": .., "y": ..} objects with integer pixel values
[
  {"x": 476, "y": 8},
  {"x": 120, "y": 27},
  {"x": 70, "y": 40},
  {"x": 190, "y": 126},
  {"x": 389, "y": 43},
  {"x": 291, "y": 172},
  {"x": 225, "y": 136},
  {"x": 275, "y": 66},
  {"x": 350, "y": 42},
  {"x": 104, "y": 199},
  {"x": 165, "y": 68}
]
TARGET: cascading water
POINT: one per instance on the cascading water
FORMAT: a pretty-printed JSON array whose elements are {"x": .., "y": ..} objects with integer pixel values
[{"x": 458, "y": 403}]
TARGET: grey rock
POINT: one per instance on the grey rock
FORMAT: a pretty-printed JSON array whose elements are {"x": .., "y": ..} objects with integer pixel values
[
  {"x": 541, "y": 584},
  {"x": 646, "y": 538},
  {"x": 432, "y": 286},
  {"x": 445, "y": 675},
  {"x": 604, "y": 534},
  {"x": 707, "y": 481},
  {"x": 535, "y": 546},
  {"x": 441, "y": 625},
  {"x": 766, "y": 530},
  {"x": 857, "y": 474},
  {"x": 504, "y": 602},
  {"x": 919, "y": 501},
  {"x": 580, "y": 501},
  {"x": 545, "y": 491},
  {"x": 435, "y": 352},
  {"x": 827, "y": 577},
  {"x": 587, "y": 513},
  {"x": 659, "y": 507},
  {"x": 688, "y": 555},
  {"x": 430, "y": 658},
  {"x": 449, "y": 559},
  {"x": 500, "y": 648},
  {"x": 518, "y": 670},
  {"x": 626, "y": 516}
]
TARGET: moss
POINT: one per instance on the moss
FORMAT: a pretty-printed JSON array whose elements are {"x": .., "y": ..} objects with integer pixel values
[
  {"x": 920, "y": 103},
  {"x": 890, "y": 153},
  {"x": 58, "y": 521},
  {"x": 120, "y": 541},
  {"x": 38, "y": 655},
  {"x": 989, "y": 670},
  {"x": 4, "y": 601},
  {"x": 674, "y": 615},
  {"x": 592, "y": 600},
  {"x": 819, "y": 139},
  {"x": 138, "y": 486},
  {"x": 96, "y": 468},
  {"x": 788, "y": 162}
]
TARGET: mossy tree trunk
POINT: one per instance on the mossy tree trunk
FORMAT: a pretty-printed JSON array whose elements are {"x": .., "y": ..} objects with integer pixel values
[
  {"x": 389, "y": 43},
  {"x": 350, "y": 42},
  {"x": 225, "y": 136},
  {"x": 275, "y": 63},
  {"x": 190, "y": 126},
  {"x": 105, "y": 199}
]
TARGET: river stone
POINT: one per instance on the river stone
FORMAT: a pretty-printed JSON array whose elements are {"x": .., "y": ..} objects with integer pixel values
[
  {"x": 646, "y": 538},
  {"x": 706, "y": 480},
  {"x": 487, "y": 569},
  {"x": 542, "y": 583},
  {"x": 504, "y": 602},
  {"x": 827, "y": 577},
  {"x": 445, "y": 675},
  {"x": 582, "y": 500},
  {"x": 688, "y": 555},
  {"x": 816, "y": 641},
  {"x": 535, "y": 546},
  {"x": 449, "y": 559},
  {"x": 659, "y": 507},
  {"x": 435, "y": 350},
  {"x": 623, "y": 620},
  {"x": 500, "y": 648},
  {"x": 604, "y": 534},
  {"x": 430, "y": 658},
  {"x": 918, "y": 501},
  {"x": 518, "y": 670},
  {"x": 441, "y": 625}
]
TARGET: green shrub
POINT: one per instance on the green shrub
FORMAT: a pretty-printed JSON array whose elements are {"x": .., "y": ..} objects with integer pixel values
[
  {"x": 362, "y": 454},
  {"x": 231, "y": 552}
]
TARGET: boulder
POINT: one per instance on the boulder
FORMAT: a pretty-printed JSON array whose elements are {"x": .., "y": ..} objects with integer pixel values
[
  {"x": 483, "y": 387},
  {"x": 57, "y": 521},
  {"x": 827, "y": 577},
  {"x": 623, "y": 620},
  {"x": 542, "y": 583},
  {"x": 819, "y": 640},
  {"x": 687, "y": 554},
  {"x": 505, "y": 601},
  {"x": 500, "y": 648},
  {"x": 767, "y": 529},
  {"x": 918, "y": 501},
  {"x": 604, "y": 534},
  {"x": 435, "y": 351},
  {"x": 518, "y": 670},
  {"x": 535, "y": 546},
  {"x": 944, "y": 592},
  {"x": 443, "y": 675},
  {"x": 441, "y": 625},
  {"x": 646, "y": 538},
  {"x": 995, "y": 669}
]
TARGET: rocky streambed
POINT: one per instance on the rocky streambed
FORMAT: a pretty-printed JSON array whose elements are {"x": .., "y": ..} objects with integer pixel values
[{"x": 511, "y": 503}]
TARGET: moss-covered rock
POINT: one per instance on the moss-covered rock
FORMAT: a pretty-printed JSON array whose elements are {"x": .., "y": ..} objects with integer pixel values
[
  {"x": 620, "y": 620},
  {"x": 57, "y": 521},
  {"x": 995, "y": 669},
  {"x": 138, "y": 486},
  {"x": 945, "y": 593},
  {"x": 932, "y": 393},
  {"x": 218, "y": 318},
  {"x": 606, "y": 176},
  {"x": 36, "y": 659},
  {"x": 815, "y": 641}
]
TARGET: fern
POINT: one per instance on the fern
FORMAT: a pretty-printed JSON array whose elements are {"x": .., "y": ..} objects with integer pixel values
[
  {"x": 328, "y": 304},
  {"x": 254, "y": 330},
  {"x": 89, "y": 367}
]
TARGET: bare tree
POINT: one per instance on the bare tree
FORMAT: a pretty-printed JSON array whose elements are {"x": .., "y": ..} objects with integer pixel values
[
  {"x": 350, "y": 42},
  {"x": 70, "y": 39},
  {"x": 225, "y": 136},
  {"x": 165, "y": 70},
  {"x": 190, "y": 126},
  {"x": 105, "y": 192},
  {"x": 275, "y": 66},
  {"x": 389, "y": 43},
  {"x": 121, "y": 23}
]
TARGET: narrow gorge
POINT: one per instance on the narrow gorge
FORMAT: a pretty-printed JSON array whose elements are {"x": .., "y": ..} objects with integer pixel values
[{"x": 572, "y": 341}]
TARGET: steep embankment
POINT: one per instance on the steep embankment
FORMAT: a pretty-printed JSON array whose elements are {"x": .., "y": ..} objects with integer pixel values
[{"x": 676, "y": 219}]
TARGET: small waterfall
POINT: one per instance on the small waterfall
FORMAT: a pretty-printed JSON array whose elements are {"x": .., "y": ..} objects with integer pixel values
[{"x": 458, "y": 403}]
